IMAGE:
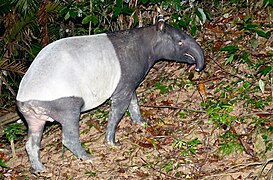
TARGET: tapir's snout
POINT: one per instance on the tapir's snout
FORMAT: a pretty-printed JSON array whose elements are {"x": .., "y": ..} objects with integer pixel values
[
  {"x": 200, "y": 60},
  {"x": 195, "y": 55}
]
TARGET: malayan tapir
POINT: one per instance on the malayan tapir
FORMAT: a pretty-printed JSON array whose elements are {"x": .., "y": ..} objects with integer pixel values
[{"x": 76, "y": 74}]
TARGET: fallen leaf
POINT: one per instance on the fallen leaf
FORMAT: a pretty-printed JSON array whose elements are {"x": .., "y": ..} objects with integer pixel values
[
  {"x": 218, "y": 45},
  {"x": 202, "y": 88}
]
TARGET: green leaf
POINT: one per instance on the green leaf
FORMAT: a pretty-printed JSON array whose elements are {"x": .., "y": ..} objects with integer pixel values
[
  {"x": 267, "y": 2},
  {"x": 230, "y": 49},
  {"x": 67, "y": 16},
  {"x": 230, "y": 59},
  {"x": 201, "y": 15},
  {"x": 143, "y": 1},
  {"x": 263, "y": 33},
  {"x": 119, "y": 3},
  {"x": 266, "y": 70},
  {"x": 163, "y": 89},
  {"x": 91, "y": 18},
  {"x": 117, "y": 12},
  {"x": 261, "y": 85},
  {"x": 251, "y": 26},
  {"x": 2, "y": 164},
  {"x": 5, "y": 6},
  {"x": 91, "y": 173},
  {"x": 117, "y": 9},
  {"x": 193, "y": 30},
  {"x": 73, "y": 14},
  {"x": 168, "y": 168}
]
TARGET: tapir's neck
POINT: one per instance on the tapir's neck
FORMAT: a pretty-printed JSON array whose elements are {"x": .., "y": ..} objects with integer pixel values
[
  {"x": 147, "y": 39},
  {"x": 138, "y": 43}
]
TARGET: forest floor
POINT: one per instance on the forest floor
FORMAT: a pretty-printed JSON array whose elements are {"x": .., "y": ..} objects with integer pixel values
[{"x": 181, "y": 142}]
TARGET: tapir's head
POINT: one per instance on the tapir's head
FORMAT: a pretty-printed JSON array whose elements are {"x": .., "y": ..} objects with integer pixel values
[{"x": 174, "y": 44}]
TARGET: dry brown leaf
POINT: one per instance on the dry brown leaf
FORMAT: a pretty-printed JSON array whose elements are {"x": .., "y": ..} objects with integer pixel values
[{"x": 202, "y": 88}]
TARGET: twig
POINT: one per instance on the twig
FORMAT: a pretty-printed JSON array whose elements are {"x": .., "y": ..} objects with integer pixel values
[
  {"x": 238, "y": 166},
  {"x": 174, "y": 107},
  {"x": 13, "y": 148},
  {"x": 264, "y": 165},
  {"x": 256, "y": 113},
  {"x": 236, "y": 75},
  {"x": 8, "y": 118},
  {"x": 269, "y": 174},
  {"x": 90, "y": 23},
  {"x": 6, "y": 83},
  {"x": 246, "y": 147},
  {"x": 271, "y": 81},
  {"x": 223, "y": 174}
]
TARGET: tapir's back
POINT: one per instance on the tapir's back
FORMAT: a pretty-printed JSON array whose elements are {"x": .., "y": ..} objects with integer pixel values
[{"x": 85, "y": 66}]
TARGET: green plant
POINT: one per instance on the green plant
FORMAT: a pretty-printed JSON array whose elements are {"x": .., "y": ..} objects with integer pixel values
[
  {"x": 187, "y": 147},
  {"x": 219, "y": 111},
  {"x": 267, "y": 3},
  {"x": 162, "y": 88},
  {"x": 237, "y": 55},
  {"x": 91, "y": 173},
  {"x": 187, "y": 15},
  {"x": 230, "y": 143},
  {"x": 267, "y": 141},
  {"x": 2, "y": 164},
  {"x": 101, "y": 114},
  {"x": 12, "y": 133},
  {"x": 250, "y": 27}
]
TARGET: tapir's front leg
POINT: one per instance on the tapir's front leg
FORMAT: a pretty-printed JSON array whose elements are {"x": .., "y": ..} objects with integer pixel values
[
  {"x": 134, "y": 110},
  {"x": 119, "y": 104}
]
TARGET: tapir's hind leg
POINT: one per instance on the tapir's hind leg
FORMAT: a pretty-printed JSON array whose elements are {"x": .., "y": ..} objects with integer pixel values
[
  {"x": 71, "y": 135},
  {"x": 68, "y": 114},
  {"x": 35, "y": 132}
]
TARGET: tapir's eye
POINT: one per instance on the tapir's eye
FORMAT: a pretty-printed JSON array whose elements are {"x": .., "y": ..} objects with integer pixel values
[{"x": 180, "y": 43}]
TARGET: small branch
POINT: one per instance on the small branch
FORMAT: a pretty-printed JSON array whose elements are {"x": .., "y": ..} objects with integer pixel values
[
  {"x": 271, "y": 81},
  {"x": 13, "y": 148},
  {"x": 222, "y": 174},
  {"x": 6, "y": 83},
  {"x": 90, "y": 23},
  {"x": 173, "y": 107},
  {"x": 264, "y": 165},
  {"x": 8, "y": 118},
  {"x": 235, "y": 75},
  {"x": 246, "y": 147},
  {"x": 256, "y": 113}
]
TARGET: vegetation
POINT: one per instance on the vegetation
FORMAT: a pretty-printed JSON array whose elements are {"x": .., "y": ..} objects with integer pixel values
[{"x": 234, "y": 95}]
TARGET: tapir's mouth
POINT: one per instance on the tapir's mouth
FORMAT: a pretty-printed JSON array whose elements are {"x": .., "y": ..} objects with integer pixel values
[{"x": 189, "y": 58}]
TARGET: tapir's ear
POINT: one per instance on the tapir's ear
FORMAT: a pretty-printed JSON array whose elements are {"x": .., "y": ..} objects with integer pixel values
[{"x": 160, "y": 23}]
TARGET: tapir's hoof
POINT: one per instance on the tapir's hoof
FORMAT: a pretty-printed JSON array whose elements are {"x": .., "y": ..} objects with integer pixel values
[
  {"x": 85, "y": 156},
  {"x": 112, "y": 144},
  {"x": 38, "y": 169},
  {"x": 140, "y": 122}
]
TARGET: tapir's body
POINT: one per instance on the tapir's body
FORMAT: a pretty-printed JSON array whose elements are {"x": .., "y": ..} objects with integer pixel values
[
  {"x": 85, "y": 66},
  {"x": 76, "y": 74}
]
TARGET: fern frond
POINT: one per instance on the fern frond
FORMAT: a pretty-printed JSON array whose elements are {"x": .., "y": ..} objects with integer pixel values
[{"x": 13, "y": 67}]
